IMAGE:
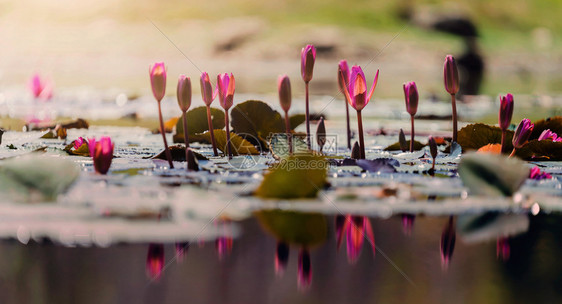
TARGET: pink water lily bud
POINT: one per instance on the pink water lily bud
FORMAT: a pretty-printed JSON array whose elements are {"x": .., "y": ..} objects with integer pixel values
[
  {"x": 411, "y": 96},
  {"x": 305, "y": 269},
  {"x": 207, "y": 89},
  {"x": 549, "y": 135},
  {"x": 40, "y": 88},
  {"x": 432, "y": 146},
  {"x": 158, "y": 80},
  {"x": 343, "y": 76},
  {"x": 506, "y": 111},
  {"x": 522, "y": 134},
  {"x": 308, "y": 56},
  {"x": 451, "y": 75},
  {"x": 356, "y": 92},
  {"x": 184, "y": 93},
  {"x": 102, "y": 153},
  {"x": 284, "y": 87},
  {"x": 225, "y": 88},
  {"x": 155, "y": 261},
  {"x": 281, "y": 258}
]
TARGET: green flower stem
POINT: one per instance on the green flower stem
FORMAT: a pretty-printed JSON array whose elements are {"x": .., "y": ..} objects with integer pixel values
[
  {"x": 211, "y": 131},
  {"x": 163, "y": 132}
]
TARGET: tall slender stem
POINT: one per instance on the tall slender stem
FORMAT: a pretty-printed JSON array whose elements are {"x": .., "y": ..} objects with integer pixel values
[
  {"x": 413, "y": 133},
  {"x": 226, "y": 123},
  {"x": 163, "y": 132},
  {"x": 288, "y": 131},
  {"x": 211, "y": 131},
  {"x": 502, "y": 149},
  {"x": 361, "y": 140},
  {"x": 348, "y": 127},
  {"x": 307, "y": 117},
  {"x": 185, "y": 136},
  {"x": 454, "y": 103}
]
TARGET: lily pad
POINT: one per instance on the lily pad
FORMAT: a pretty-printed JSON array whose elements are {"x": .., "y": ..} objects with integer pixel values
[
  {"x": 178, "y": 154},
  {"x": 296, "y": 120},
  {"x": 492, "y": 175},
  {"x": 540, "y": 150},
  {"x": 197, "y": 123},
  {"x": 396, "y": 146},
  {"x": 302, "y": 229},
  {"x": 298, "y": 176},
  {"x": 239, "y": 146},
  {"x": 256, "y": 120},
  {"x": 475, "y": 136},
  {"x": 83, "y": 150}
]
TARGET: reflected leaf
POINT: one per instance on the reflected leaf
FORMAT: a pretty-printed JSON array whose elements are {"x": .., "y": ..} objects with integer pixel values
[
  {"x": 295, "y": 228},
  {"x": 492, "y": 175},
  {"x": 490, "y": 226},
  {"x": 298, "y": 176}
]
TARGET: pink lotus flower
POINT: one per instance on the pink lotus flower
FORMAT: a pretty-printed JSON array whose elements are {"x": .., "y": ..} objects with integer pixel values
[
  {"x": 40, "y": 88},
  {"x": 281, "y": 258},
  {"x": 451, "y": 75},
  {"x": 448, "y": 238},
  {"x": 155, "y": 261},
  {"x": 537, "y": 174},
  {"x": 102, "y": 153},
  {"x": 305, "y": 270},
  {"x": 158, "y": 80},
  {"x": 225, "y": 88},
  {"x": 184, "y": 93},
  {"x": 207, "y": 89},
  {"x": 356, "y": 92},
  {"x": 343, "y": 81},
  {"x": 411, "y": 96},
  {"x": 522, "y": 134},
  {"x": 284, "y": 88},
  {"x": 308, "y": 56},
  {"x": 549, "y": 135},
  {"x": 506, "y": 111},
  {"x": 79, "y": 142}
]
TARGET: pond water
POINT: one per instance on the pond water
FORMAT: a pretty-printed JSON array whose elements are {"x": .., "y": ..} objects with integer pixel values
[{"x": 406, "y": 268}]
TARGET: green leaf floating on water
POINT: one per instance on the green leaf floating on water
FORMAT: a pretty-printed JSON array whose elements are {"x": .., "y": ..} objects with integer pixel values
[
  {"x": 298, "y": 176},
  {"x": 396, "y": 146},
  {"x": 239, "y": 146},
  {"x": 256, "y": 121},
  {"x": 197, "y": 123},
  {"x": 303, "y": 229},
  {"x": 83, "y": 150},
  {"x": 492, "y": 175},
  {"x": 540, "y": 150},
  {"x": 552, "y": 123},
  {"x": 36, "y": 178},
  {"x": 475, "y": 136}
]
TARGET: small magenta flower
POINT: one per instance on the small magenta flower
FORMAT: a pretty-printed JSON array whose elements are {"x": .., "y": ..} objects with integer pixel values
[
  {"x": 281, "y": 258},
  {"x": 208, "y": 96},
  {"x": 549, "y": 135},
  {"x": 184, "y": 101},
  {"x": 448, "y": 238},
  {"x": 305, "y": 269},
  {"x": 79, "y": 142},
  {"x": 40, "y": 88},
  {"x": 155, "y": 261},
  {"x": 284, "y": 88},
  {"x": 157, "y": 75},
  {"x": 537, "y": 174},
  {"x": 451, "y": 80},
  {"x": 356, "y": 95},
  {"x": 102, "y": 153},
  {"x": 411, "y": 96},
  {"x": 506, "y": 112},
  {"x": 522, "y": 134},
  {"x": 308, "y": 56},
  {"x": 343, "y": 81},
  {"x": 225, "y": 88}
]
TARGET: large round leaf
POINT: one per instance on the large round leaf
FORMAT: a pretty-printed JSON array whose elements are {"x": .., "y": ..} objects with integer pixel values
[{"x": 197, "y": 123}]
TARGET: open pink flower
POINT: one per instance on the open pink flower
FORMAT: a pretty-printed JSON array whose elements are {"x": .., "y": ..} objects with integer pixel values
[
  {"x": 356, "y": 92},
  {"x": 79, "y": 142},
  {"x": 549, "y": 135},
  {"x": 522, "y": 133},
  {"x": 537, "y": 174},
  {"x": 158, "y": 80},
  {"x": 102, "y": 153},
  {"x": 225, "y": 88}
]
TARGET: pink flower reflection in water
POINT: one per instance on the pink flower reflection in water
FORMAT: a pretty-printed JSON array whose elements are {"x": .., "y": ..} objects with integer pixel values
[
  {"x": 181, "y": 251},
  {"x": 448, "y": 238},
  {"x": 155, "y": 261},
  {"x": 503, "y": 249},
  {"x": 305, "y": 270},
  {"x": 281, "y": 258},
  {"x": 223, "y": 244},
  {"x": 356, "y": 229},
  {"x": 408, "y": 223}
]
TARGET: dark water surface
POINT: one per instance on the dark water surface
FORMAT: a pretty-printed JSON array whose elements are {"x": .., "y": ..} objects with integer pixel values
[{"x": 476, "y": 273}]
